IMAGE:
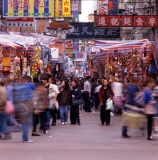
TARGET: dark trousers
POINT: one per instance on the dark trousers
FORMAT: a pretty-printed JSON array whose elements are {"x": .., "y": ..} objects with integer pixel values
[
  {"x": 74, "y": 115},
  {"x": 3, "y": 124},
  {"x": 87, "y": 104},
  {"x": 149, "y": 125},
  {"x": 53, "y": 113},
  {"x": 105, "y": 115},
  {"x": 124, "y": 130},
  {"x": 35, "y": 122},
  {"x": 43, "y": 118},
  {"x": 96, "y": 97}
]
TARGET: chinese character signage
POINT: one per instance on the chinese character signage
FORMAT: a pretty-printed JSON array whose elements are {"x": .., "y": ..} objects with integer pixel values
[
  {"x": 102, "y": 21},
  {"x": 108, "y": 7},
  {"x": 66, "y": 8},
  {"x": 87, "y": 30},
  {"x": 139, "y": 21},
  {"x": 20, "y": 22},
  {"x": 152, "y": 21},
  {"x": 127, "y": 21},
  {"x": 113, "y": 7},
  {"x": 57, "y": 8},
  {"x": 102, "y": 10},
  {"x": 114, "y": 21},
  {"x": 28, "y": 8},
  {"x": 75, "y": 7},
  {"x": 69, "y": 44}
]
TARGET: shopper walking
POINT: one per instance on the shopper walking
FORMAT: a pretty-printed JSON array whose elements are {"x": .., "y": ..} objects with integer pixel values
[
  {"x": 3, "y": 117},
  {"x": 87, "y": 94},
  {"x": 132, "y": 89},
  {"x": 148, "y": 99},
  {"x": 75, "y": 95},
  {"x": 64, "y": 101},
  {"x": 105, "y": 93},
  {"x": 24, "y": 107},
  {"x": 53, "y": 105}
]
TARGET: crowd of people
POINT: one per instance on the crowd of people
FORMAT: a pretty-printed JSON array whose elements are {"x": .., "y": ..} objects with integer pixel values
[{"x": 41, "y": 102}]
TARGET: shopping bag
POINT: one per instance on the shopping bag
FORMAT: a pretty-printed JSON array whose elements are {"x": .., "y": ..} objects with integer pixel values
[
  {"x": 109, "y": 104},
  {"x": 150, "y": 109},
  {"x": 77, "y": 102},
  {"x": 9, "y": 109}
]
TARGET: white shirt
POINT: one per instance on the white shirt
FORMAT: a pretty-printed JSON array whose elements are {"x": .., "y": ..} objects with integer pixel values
[
  {"x": 87, "y": 86},
  {"x": 117, "y": 88},
  {"x": 96, "y": 90}
]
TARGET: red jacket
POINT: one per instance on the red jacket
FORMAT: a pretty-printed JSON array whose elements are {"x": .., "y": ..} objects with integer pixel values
[{"x": 110, "y": 94}]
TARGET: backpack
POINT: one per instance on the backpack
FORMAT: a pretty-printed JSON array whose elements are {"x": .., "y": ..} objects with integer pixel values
[{"x": 139, "y": 99}]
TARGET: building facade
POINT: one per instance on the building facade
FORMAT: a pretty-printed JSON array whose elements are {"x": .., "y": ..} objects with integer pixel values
[{"x": 139, "y": 7}]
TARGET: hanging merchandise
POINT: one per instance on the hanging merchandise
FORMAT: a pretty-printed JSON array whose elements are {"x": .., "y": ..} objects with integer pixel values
[
  {"x": 24, "y": 71},
  {"x": 36, "y": 58},
  {"x": 17, "y": 65},
  {"x": 125, "y": 60}
]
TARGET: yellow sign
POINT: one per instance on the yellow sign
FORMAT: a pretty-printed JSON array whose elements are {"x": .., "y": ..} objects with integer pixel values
[
  {"x": 66, "y": 8},
  {"x": 28, "y": 8},
  {"x": 57, "y": 8}
]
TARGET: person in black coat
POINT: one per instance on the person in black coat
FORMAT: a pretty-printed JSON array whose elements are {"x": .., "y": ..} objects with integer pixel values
[{"x": 74, "y": 111}]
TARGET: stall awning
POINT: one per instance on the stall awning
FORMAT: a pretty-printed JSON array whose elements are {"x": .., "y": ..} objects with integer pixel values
[{"x": 116, "y": 45}]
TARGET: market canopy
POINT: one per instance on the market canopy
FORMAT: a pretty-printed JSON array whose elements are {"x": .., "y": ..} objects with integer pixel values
[
  {"x": 124, "y": 47},
  {"x": 14, "y": 40},
  {"x": 117, "y": 45}
]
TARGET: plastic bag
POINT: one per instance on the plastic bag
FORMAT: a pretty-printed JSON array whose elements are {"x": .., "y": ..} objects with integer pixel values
[
  {"x": 109, "y": 104},
  {"x": 9, "y": 109}
]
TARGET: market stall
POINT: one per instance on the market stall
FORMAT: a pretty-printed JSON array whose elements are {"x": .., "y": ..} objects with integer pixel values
[
  {"x": 25, "y": 55},
  {"x": 125, "y": 59}
]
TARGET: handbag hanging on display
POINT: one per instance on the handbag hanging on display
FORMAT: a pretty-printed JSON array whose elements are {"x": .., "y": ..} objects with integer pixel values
[{"x": 77, "y": 102}]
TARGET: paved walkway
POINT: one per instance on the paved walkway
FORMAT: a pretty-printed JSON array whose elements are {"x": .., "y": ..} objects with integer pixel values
[{"x": 90, "y": 141}]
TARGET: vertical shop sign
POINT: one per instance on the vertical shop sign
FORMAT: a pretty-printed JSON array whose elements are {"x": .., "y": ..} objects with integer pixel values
[
  {"x": 66, "y": 8},
  {"x": 28, "y": 8},
  {"x": 57, "y": 8}
]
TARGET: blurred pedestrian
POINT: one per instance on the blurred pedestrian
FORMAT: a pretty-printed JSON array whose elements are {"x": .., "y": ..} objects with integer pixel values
[
  {"x": 132, "y": 89},
  {"x": 87, "y": 94},
  {"x": 96, "y": 93},
  {"x": 117, "y": 88},
  {"x": 148, "y": 99},
  {"x": 24, "y": 106},
  {"x": 3, "y": 117},
  {"x": 53, "y": 105}
]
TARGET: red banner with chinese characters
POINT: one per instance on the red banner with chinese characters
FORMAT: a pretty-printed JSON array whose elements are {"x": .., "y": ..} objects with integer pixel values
[
  {"x": 102, "y": 21},
  {"x": 127, "y": 21},
  {"x": 139, "y": 21},
  {"x": 66, "y": 8},
  {"x": 152, "y": 21},
  {"x": 114, "y": 21}
]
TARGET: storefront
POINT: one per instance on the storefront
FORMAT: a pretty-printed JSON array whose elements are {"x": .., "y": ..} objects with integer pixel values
[{"x": 25, "y": 55}]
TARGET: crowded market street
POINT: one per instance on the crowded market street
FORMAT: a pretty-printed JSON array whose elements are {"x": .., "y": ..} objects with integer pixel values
[{"x": 89, "y": 141}]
